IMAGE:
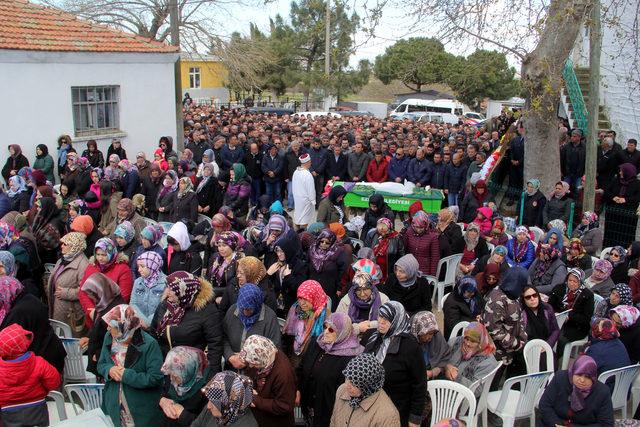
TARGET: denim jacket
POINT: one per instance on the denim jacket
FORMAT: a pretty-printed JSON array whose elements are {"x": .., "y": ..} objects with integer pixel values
[{"x": 146, "y": 299}]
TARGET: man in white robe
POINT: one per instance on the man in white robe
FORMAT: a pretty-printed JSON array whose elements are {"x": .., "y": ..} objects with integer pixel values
[{"x": 304, "y": 193}]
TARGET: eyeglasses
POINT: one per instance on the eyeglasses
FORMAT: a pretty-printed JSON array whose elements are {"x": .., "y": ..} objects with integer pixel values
[
  {"x": 613, "y": 254},
  {"x": 329, "y": 329},
  {"x": 530, "y": 296},
  {"x": 362, "y": 290}
]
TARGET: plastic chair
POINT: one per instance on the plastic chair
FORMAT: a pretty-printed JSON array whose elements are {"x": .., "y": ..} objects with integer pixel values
[
  {"x": 75, "y": 363},
  {"x": 562, "y": 317},
  {"x": 444, "y": 298},
  {"x": 89, "y": 395},
  {"x": 571, "y": 350},
  {"x": 281, "y": 322},
  {"x": 532, "y": 355},
  {"x": 593, "y": 261},
  {"x": 511, "y": 405},
  {"x": 451, "y": 262},
  {"x": 485, "y": 384},
  {"x": 624, "y": 377},
  {"x": 635, "y": 393},
  {"x": 357, "y": 244},
  {"x": 149, "y": 221},
  {"x": 58, "y": 404},
  {"x": 537, "y": 233},
  {"x": 605, "y": 253},
  {"x": 447, "y": 397},
  {"x": 491, "y": 246},
  {"x": 61, "y": 329},
  {"x": 457, "y": 331}
]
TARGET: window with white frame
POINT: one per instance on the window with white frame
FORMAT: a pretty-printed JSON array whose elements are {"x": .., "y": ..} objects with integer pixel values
[
  {"x": 95, "y": 110},
  {"x": 194, "y": 77}
]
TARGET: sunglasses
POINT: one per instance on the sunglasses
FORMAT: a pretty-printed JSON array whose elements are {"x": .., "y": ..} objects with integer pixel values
[
  {"x": 329, "y": 329},
  {"x": 325, "y": 242},
  {"x": 530, "y": 297}
]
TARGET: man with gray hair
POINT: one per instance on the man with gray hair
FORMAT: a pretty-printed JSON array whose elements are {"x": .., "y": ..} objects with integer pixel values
[{"x": 607, "y": 163}]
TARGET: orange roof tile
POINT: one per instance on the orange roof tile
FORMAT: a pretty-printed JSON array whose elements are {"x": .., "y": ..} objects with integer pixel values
[{"x": 26, "y": 26}]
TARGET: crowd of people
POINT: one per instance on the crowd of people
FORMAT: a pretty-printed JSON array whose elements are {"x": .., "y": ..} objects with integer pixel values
[{"x": 226, "y": 285}]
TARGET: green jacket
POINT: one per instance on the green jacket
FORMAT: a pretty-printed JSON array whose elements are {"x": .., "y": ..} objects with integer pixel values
[
  {"x": 142, "y": 380},
  {"x": 45, "y": 164}
]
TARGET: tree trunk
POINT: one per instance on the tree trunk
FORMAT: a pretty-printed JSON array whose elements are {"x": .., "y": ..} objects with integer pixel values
[{"x": 542, "y": 78}]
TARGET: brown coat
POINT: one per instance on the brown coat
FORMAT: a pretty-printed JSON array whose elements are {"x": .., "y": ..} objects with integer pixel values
[
  {"x": 275, "y": 402},
  {"x": 375, "y": 410},
  {"x": 67, "y": 308}
]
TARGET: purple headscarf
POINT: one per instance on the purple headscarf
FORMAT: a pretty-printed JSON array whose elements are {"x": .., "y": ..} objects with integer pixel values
[
  {"x": 319, "y": 256},
  {"x": 584, "y": 365},
  {"x": 363, "y": 280},
  {"x": 628, "y": 173},
  {"x": 276, "y": 223},
  {"x": 346, "y": 342}
]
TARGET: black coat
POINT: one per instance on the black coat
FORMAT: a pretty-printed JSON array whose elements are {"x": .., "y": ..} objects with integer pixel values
[
  {"x": 185, "y": 207},
  {"x": 253, "y": 165},
  {"x": 14, "y": 164},
  {"x": 404, "y": 376},
  {"x": 20, "y": 202},
  {"x": 630, "y": 337},
  {"x": 336, "y": 167},
  {"x": 469, "y": 208},
  {"x": 457, "y": 310},
  {"x": 532, "y": 213},
  {"x": 166, "y": 201},
  {"x": 207, "y": 196},
  {"x": 414, "y": 298},
  {"x": 150, "y": 191},
  {"x": 185, "y": 261},
  {"x": 330, "y": 275},
  {"x": 28, "y": 312},
  {"x": 321, "y": 375},
  {"x": 578, "y": 323},
  {"x": 453, "y": 235}
]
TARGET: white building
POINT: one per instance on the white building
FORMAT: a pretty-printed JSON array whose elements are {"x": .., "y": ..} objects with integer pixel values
[{"x": 61, "y": 75}]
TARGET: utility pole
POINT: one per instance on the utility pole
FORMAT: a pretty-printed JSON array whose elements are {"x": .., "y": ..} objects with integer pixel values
[
  {"x": 174, "y": 21},
  {"x": 593, "y": 106}
]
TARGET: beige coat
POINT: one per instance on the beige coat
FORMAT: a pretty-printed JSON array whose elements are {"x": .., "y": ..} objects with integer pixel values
[
  {"x": 67, "y": 308},
  {"x": 375, "y": 410}
]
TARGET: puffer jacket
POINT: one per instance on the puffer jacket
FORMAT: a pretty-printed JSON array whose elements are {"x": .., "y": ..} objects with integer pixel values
[
  {"x": 555, "y": 275},
  {"x": 455, "y": 178},
  {"x": 425, "y": 247},
  {"x": 524, "y": 262},
  {"x": 237, "y": 197},
  {"x": 557, "y": 209},
  {"x": 26, "y": 379}
]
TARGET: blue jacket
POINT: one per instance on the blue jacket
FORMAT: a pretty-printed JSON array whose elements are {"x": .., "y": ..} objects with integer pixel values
[
  {"x": 276, "y": 165},
  {"x": 229, "y": 157},
  {"x": 398, "y": 168},
  {"x": 529, "y": 256},
  {"x": 455, "y": 177},
  {"x": 146, "y": 299},
  {"x": 437, "y": 175},
  {"x": 610, "y": 354},
  {"x": 131, "y": 184},
  {"x": 318, "y": 160},
  {"x": 5, "y": 204},
  {"x": 418, "y": 171}
]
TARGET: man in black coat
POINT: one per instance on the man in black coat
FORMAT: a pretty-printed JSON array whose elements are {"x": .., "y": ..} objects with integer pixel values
[
  {"x": 516, "y": 171},
  {"x": 607, "y": 163},
  {"x": 572, "y": 158},
  {"x": 253, "y": 165},
  {"x": 629, "y": 154},
  {"x": 272, "y": 168},
  {"x": 337, "y": 164}
]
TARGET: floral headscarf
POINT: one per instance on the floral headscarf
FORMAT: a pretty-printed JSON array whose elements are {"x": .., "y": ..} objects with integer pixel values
[
  {"x": 188, "y": 187},
  {"x": 593, "y": 222},
  {"x": 231, "y": 394},
  {"x": 76, "y": 242},
  {"x": 601, "y": 271},
  {"x": 576, "y": 244},
  {"x": 10, "y": 288},
  {"x": 304, "y": 325},
  {"x": 559, "y": 224},
  {"x": 584, "y": 365},
  {"x": 604, "y": 329},
  {"x": 221, "y": 221},
  {"x": 153, "y": 233},
  {"x": 8, "y": 261},
  {"x": 153, "y": 261},
  {"x": 477, "y": 333},
  {"x": 185, "y": 286},
  {"x": 124, "y": 318},
  {"x": 189, "y": 364},
  {"x": 109, "y": 246},
  {"x": 19, "y": 183},
  {"x": 624, "y": 291},
  {"x": 571, "y": 296},
  {"x": 319, "y": 256},
  {"x": 628, "y": 315},
  {"x": 395, "y": 313},
  {"x": 250, "y": 297},
  {"x": 368, "y": 266},
  {"x": 7, "y": 235},
  {"x": 366, "y": 374},
  {"x": 471, "y": 243},
  {"x": 387, "y": 222},
  {"x": 346, "y": 342},
  {"x": 125, "y": 231},
  {"x": 422, "y": 323},
  {"x": 126, "y": 205},
  {"x": 421, "y": 220},
  {"x": 623, "y": 256},
  {"x": 252, "y": 268},
  {"x": 229, "y": 238},
  {"x": 357, "y": 305},
  {"x": 259, "y": 352}
]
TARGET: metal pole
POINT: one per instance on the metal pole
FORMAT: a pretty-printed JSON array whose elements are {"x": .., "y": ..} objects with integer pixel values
[
  {"x": 327, "y": 39},
  {"x": 595, "y": 47},
  {"x": 174, "y": 22}
]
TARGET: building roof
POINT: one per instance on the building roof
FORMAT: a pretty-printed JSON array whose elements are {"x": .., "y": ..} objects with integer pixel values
[
  {"x": 197, "y": 57},
  {"x": 27, "y": 26}
]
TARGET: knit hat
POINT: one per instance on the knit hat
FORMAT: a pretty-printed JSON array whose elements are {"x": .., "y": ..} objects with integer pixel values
[{"x": 14, "y": 341}]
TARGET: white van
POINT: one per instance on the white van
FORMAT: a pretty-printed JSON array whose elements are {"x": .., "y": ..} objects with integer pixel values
[{"x": 414, "y": 108}]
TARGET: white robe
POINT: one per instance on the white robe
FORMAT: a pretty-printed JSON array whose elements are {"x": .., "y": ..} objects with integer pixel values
[{"x": 304, "y": 196}]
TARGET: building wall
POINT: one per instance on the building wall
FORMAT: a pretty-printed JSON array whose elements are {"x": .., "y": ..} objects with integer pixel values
[
  {"x": 36, "y": 107},
  {"x": 212, "y": 77}
]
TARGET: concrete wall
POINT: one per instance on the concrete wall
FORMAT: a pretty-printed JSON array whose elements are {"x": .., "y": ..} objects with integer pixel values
[{"x": 36, "y": 108}]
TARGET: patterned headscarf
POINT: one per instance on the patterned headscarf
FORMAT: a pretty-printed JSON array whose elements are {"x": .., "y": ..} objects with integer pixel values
[
  {"x": 304, "y": 325},
  {"x": 366, "y": 374},
  {"x": 228, "y": 238},
  {"x": 109, "y": 246},
  {"x": 188, "y": 364},
  {"x": 623, "y": 256},
  {"x": 219, "y": 220},
  {"x": 153, "y": 261},
  {"x": 185, "y": 286},
  {"x": 628, "y": 315},
  {"x": 125, "y": 319},
  {"x": 153, "y": 233},
  {"x": 584, "y": 365},
  {"x": 259, "y": 351},
  {"x": 188, "y": 187},
  {"x": 571, "y": 296},
  {"x": 357, "y": 305},
  {"x": 252, "y": 268},
  {"x": 10, "y": 288},
  {"x": 387, "y": 222},
  {"x": 250, "y": 297},
  {"x": 231, "y": 394},
  {"x": 559, "y": 224},
  {"x": 319, "y": 256},
  {"x": 421, "y": 220},
  {"x": 127, "y": 205},
  {"x": 477, "y": 333},
  {"x": 125, "y": 231},
  {"x": 101, "y": 289},
  {"x": 346, "y": 342},
  {"x": 368, "y": 266},
  {"x": 423, "y": 322},
  {"x": 312, "y": 291},
  {"x": 471, "y": 243},
  {"x": 14, "y": 341},
  {"x": 601, "y": 270},
  {"x": 76, "y": 243},
  {"x": 276, "y": 223},
  {"x": 19, "y": 183},
  {"x": 7, "y": 235},
  {"x": 395, "y": 313},
  {"x": 604, "y": 329},
  {"x": 8, "y": 261},
  {"x": 624, "y": 291}
]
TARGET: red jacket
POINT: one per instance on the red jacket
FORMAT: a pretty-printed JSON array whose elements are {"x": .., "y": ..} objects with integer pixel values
[
  {"x": 377, "y": 172},
  {"x": 26, "y": 379},
  {"x": 119, "y": 272},
  {"x": 425, "y": 247}
]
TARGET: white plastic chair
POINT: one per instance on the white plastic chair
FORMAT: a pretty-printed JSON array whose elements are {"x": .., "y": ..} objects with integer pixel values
[
  {"x": 511, "y": 405},
  {"x": 624, "y": 377},
  {"x": 635, "y": 393},
  {"x": 532, "y": 355},
  {"x": 89, "y": 395},
  {"x": 451, "y": 262},
  {"x": 562, "y": 317},
  {"x": 491, "y": 246},
  {"x": 485, "y": 384},
  {"x": 593, "y": 261},
  {"x": 537, "y": 234},
  {"x": 447, "y": 397},
  {"x": 61, "y": 329},
  {"x": 571, "y": 350},
  {"x": 357, "y": 244},
  {"x": 444, "y": 298},
  {"x": 75, "y": 364},
  {"x": 58, "y": 405},
  {"x": 457, "y": 331},
  {"x": 605, "y": 253}
]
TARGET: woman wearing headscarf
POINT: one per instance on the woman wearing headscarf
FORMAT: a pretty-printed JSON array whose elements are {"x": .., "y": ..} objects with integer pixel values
[
  {"x": 229, "y": 398},
  {"x": 472, "y": 356},
  {"x": 249, "y": 269},
  {"x": 208, "y": 158},
  {"x": 620, "y": 295},
  {"x": 327, "y": 263},
  {"x": 108, "y": 261},
  {"x": 407, "y": 286},
  {"x": 618, "y": 258},
  {"x": 127, "y": 212},
  {"x": 575, "y": 296},
  {"x": 237, "y": 194},
  {"x": 600, "y": 280},
  {"x": 185, "y": 204},
  {"x": 287, "y": 272},
  {"x": 205, "y": 191},
  {"x": 44, "y": 162},
  {"x": 84, "y": 224},
  {"x": 124, "y": 237},
  {"x": 150, "y": 237},
  {"x": 621, "y": 202},
  {"x": 435, "y": 350},
  {"x": 488, "y": 279},
  {"x": 63, "y": 284},
  {"x": 361, "y": 400},
  {"x": 377, "y": 209},
  {"x": 151, "y": 185},
  {"x": 331, "y": 209},
  {"x": 520, "y": 250},
  {"x": 539, "y": 317},
  {"x": 498, "y": 235},
  {"x": 474, "y": 249},
  {"x": 130, "y": 362},
  {"x": 421, "y": 240},
  {"x": 534, "y": 203},
  {"x": 497, "y": 256},
  {"x": 166, "y": 196},
  {"x": 7, "y": 264},
  {"x": 387, "y": 246},
  {"x": 248, "y": 316},
  {"x": 276, "y": 228},
  {"x": 181, "y": 256},
  {"x": 322, "y": 366},
  {"x": 473, "y": 200},
  {"x": 159, "y": 159},
  {"x": 589, "y": 232},
  {"x": 548, "y": 269},
  {"x": 149, "y": 287},
  {"x": 15, "y": 162},
  {"x": 449, "y": 232},
  {"x": 399, "y": 353},
  {"x": 362, "y": 303},
  {"x": 463, "y": 305},
  {"x": 182, "y": 399},
  {"x": 110, "y": 197},
  {"x": 222, "y": 271},
  {"x": 187, "y": 315},
  {"x": 626, "y": 319},
  {"x": 19, "y": 194},
  {"x": 588, "y": 402},
  {"x": 18, "y": 306},
  {"x": 274, "y": 384},
  {"x": 558, "y": 205},
  {"x": 305, "y": 319},
  {"x": 576, "y": 256},
  {"x": 47, "y": 228},
  {"x": 605, "y": 347}
]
